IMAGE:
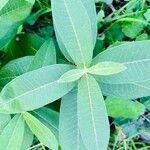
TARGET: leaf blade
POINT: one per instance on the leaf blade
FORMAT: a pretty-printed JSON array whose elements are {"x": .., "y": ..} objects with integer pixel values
[
  {"x": 134, "y": 55},
  {"x": 41, "y": 131},
  {"x": 69, "y": 122},
  {"x": 71, "y": 75},
  {"x": 71, "y": 22},
  {"x": 107, "y": 68},
  {"x": 14, "y": 131},
  {"x": 45, "y": 56},
  {"x": 92, "y": 110},
  {"x": 24, "y": 92}
]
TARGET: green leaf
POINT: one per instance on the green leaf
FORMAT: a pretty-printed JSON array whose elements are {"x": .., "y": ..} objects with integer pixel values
[
  {"x": 13, "y": 69},
  {"x": 75, "y": 20},
  {"x": 45, "y": 56},
  {"x": 12, "y": 15},
  {"x": 107, "y": 68},
  {"x": 27, "y": 139},
  {"x": 3, "y": 3},
  {"x": 44, "y": 134},
  {"x": 69, "y": 132},
  {"x": 93, "y": 119},
  {"x": 118, "y": 108},
  {"x": 128, "y": 91},
  {"x": 134, "y": 55},
  {"x": 12, "y": 135},
  {"x": 71, "y": 75},
  {"x": 34, "y": 89},
  {"x": 133, "y": 29},
  {"x": 91, "y": 11},
  {"x": 49, "y": 118},
  {"x": 4, "y": 119}
]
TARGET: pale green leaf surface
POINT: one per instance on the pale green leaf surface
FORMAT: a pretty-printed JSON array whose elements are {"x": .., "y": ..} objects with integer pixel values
[
  {"x": 93, "y": 119},
  {"x": 13, "y": 69},
  {"x": 71, "y": 75},
  {"x": 74, "y": 30},
  {"x": 43, "y": 133},
  {"x": 34, "y": 89},
  {"x": 91, "y": 11},
  {"x": 4, "y": 119},
  {"x": 49, "y": 118},
  {"x": 134, "y": 55},
  {"x": 27, "y": 139},
  {"x": 106, "y": 68},
  {"x": 45, "y": 56},
  {"x": 123, "y": 108},
  {"x": 12, "y": 135},
  {"x": 130, "y": 91},
  {"x": 69, "y": 132}
]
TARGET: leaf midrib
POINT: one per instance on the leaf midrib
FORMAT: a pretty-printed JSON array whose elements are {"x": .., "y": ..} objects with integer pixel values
[
  {"x": 76, "y": 35},
  {"x": 13, "y": 99}
]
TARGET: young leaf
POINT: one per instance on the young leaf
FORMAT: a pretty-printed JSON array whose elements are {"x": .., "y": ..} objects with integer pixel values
[
  {"x": 12, "y": 135},
  {"x": 4, "y": 119},
  {"x": 124, "y": 108},
  {"x": 69, "y": 132},
  {"x": 49, "y": 118},
  {"x": 45, "y": 56},
  {"x": 74, "y": 30},
  {"x": 13, "y": 69},
  {"x": 11, "y": 17},
  {"x": 34, "y": 89},
  {"x": 44, "y": 134},
  {"x": 93, "y": 120},
  {"x": 134, "y": 55},
  {"x": 27, "y": 139},
  {"x": 128, "y": 91},
  {"x": 107, "y": 68},
  {"x": 71, "y": 75}
]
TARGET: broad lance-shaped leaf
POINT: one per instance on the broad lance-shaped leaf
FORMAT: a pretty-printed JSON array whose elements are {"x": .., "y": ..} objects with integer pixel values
[
  {"x": 69, "y": 132},
  {"x": 71, "y": 75},
  {"x": 4, "y": 119},
  {"x": 43, "y": 133},
  {"x": 45, "y": 56},
  {"x": 3, "y": 3},
  {"x": 12, "y": 15},
  {"x": 49, "y": 118},
  {"x": 13, "y": 69},
  {"x": 128, "y": 91},
  {"x": 34, "y": 89},
  {"x": 107, "y": 68},
  {"x": 123, "y": 108},
  {"x": 93, "y": 119},
  {"x": 134, "y": 55},
  {"x": 90, "y": 8},
  {"x": 12, "y": 135},
  {"x": 75, "y": 30}
]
